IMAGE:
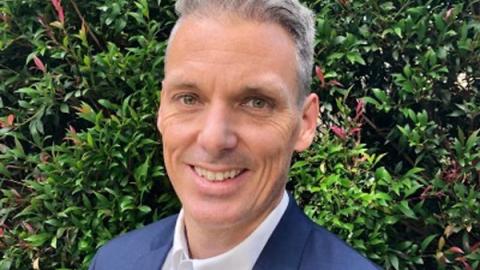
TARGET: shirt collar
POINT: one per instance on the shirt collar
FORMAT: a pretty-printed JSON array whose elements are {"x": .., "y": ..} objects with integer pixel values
[{"x": 243, "y": 256}]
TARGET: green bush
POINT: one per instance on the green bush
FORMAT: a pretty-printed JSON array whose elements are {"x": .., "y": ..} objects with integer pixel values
[
  {"x": 81, "y": 161},
  {"x": 394, "y": 170}
]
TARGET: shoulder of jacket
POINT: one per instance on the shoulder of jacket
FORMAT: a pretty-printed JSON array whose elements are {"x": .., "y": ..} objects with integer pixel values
[{"x": 139, "y": 241}]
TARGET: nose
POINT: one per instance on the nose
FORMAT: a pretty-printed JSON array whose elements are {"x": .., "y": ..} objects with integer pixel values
[{"x": 217, "y": 134}]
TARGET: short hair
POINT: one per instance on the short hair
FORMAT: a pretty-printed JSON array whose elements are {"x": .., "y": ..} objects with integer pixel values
[{"x": 291, "y": 15}]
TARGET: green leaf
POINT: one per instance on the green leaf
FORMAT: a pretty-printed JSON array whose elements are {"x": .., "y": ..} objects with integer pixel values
[
  {"x": 19, "y": 148},
  {"x": 380, "y": 94},
  {"x": 398, "y": 32},
  {"x": 406, "y": 210},
  {"x": 90, "y": 141},
  {"x": 141, "y": 171},
  {"x": 4, "y": 171},
  {"x": 427, "y": 241},
  {"x": 383, "y": 196},
  {"x": 145, "y": 209},
  {"x": 5, "y": 264},
  {"x": 64, "y": 108},
  {"x": 371, "y": 101},
  {"x": 394, "y": 261},
  {"x": 107, "y": 104},
  {"x": 355, "y": 57},
  {"x": 53, "y": 243},
  {"x": 103, "y": 201},
  {"x": 126, "y": 203},
  {"x": 38, "y": 239},
  {"x": 383, "y": 174},
  {"x": 407, "y": 71},
  {"x": 472, "y": 140}
]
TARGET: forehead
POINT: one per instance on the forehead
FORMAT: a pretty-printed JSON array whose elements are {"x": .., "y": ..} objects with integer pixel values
[
  {"x": 232, "y": 32},
  {"x": 240, "y": 48}
]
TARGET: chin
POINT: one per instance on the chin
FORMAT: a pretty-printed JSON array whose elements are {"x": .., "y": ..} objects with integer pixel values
[{"x": 214, "y": 215}]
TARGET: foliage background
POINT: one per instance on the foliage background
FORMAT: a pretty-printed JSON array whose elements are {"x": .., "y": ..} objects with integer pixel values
[{"x": 394, "y": 170}]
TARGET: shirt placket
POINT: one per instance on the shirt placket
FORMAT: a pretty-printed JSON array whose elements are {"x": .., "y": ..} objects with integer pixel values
[{"x": 185, "y": 265}]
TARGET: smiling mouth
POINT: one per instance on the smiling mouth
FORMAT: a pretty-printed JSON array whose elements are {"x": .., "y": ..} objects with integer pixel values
[{"x": 216, "y": 176}]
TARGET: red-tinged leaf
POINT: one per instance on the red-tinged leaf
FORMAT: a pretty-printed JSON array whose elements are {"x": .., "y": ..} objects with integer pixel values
[
  {"x": 1, "y": 231},
  {"x": 39, "y": 64},
  {"x": 10, "y": 119},
  {"x": 15, "y": 192},
  {"x": 456, "y": 250},
  {"x": 425, "y": 191},
  {"x": 320, "y": 76},
  {"x": 467, "y": 266},
  {"x": 72, "y": 135},
  {"x": 28, "y": 227},
  {"x": 360, "y": 107},
  {"x": 72, "y": 129},
  {"x": 44, "y": 157},
  {"x": 448, "y": 14},
  {"x": 61, "y": 16},
  {"x": 57, "y": 4},
  {"x": 339, "y": 132},
  {"x": 336, "y": 83},
  {"x": 475, "y": 246},
  {"x": 344, "y": 3},
  {"x": 355, "y": 130}
]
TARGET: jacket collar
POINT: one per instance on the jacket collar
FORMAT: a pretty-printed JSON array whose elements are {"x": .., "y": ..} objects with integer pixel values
[
  {"x": 160, "y": 247},
  {"x": 285, "y": 247},
  {"x": 283, "y": 250}
]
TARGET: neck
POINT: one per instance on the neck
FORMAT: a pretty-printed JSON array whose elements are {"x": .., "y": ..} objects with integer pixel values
[
  {"x": 209, "y": 241},
  {"x": 205, "y": 243}
]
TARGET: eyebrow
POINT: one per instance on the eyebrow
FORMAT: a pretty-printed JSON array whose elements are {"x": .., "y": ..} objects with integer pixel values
[
  {"x": 184, "y": 85},
  {"x": 267, "y": 86}
]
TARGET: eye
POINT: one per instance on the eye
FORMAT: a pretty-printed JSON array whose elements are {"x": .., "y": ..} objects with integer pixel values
[
  {"x": 257, "y": 103},
  {"x": 187, "y": 99}
]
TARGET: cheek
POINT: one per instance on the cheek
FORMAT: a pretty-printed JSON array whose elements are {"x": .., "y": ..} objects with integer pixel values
[
  {"x": 271, "y": 143},
  {"x": 176, "y": 134},
  {"x": 274, "y": 136},
  {"x": 174, "y": 126}
]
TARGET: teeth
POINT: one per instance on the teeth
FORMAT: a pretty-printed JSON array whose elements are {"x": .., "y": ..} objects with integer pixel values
[{"x": 216, "y": 176}]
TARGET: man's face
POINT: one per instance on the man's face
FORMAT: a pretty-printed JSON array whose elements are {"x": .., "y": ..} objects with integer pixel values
[{"x": 230, "y": 119}]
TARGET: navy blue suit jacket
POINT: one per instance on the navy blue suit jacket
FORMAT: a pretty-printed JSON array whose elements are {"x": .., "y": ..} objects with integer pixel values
[{"x": 296, "y": 243}]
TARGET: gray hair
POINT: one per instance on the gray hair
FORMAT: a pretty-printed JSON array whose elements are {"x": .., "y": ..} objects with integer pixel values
[{"x": 291, "y": 15}]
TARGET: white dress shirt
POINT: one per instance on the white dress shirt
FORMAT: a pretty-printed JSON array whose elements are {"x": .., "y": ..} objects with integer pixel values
[{"x": 241, "y": 257}]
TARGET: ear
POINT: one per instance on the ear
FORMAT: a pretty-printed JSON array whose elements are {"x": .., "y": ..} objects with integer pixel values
[
  {"x": 308, "y": 125},
  {"x": 159, "y": 112}
]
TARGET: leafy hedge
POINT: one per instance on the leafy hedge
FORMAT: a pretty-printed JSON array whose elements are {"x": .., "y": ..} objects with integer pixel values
[{"x": 395, "y": 169}]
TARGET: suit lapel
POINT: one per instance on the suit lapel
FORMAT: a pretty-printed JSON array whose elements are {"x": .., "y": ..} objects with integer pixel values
[
  {"x": 285, "y": 247},
  {"x": 153, "y": 260},
  {"x": 160, "y": 247},
  {"x": 283, "y": 250}
]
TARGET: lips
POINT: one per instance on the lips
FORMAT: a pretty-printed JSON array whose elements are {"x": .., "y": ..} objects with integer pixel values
[{"x": 216, "y": 176}]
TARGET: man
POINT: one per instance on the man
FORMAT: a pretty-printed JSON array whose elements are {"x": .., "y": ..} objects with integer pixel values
[{"x": 234, "y": 107}]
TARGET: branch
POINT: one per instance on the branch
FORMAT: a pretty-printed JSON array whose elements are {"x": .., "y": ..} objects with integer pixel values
[{"x": 92, "y": 35}]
